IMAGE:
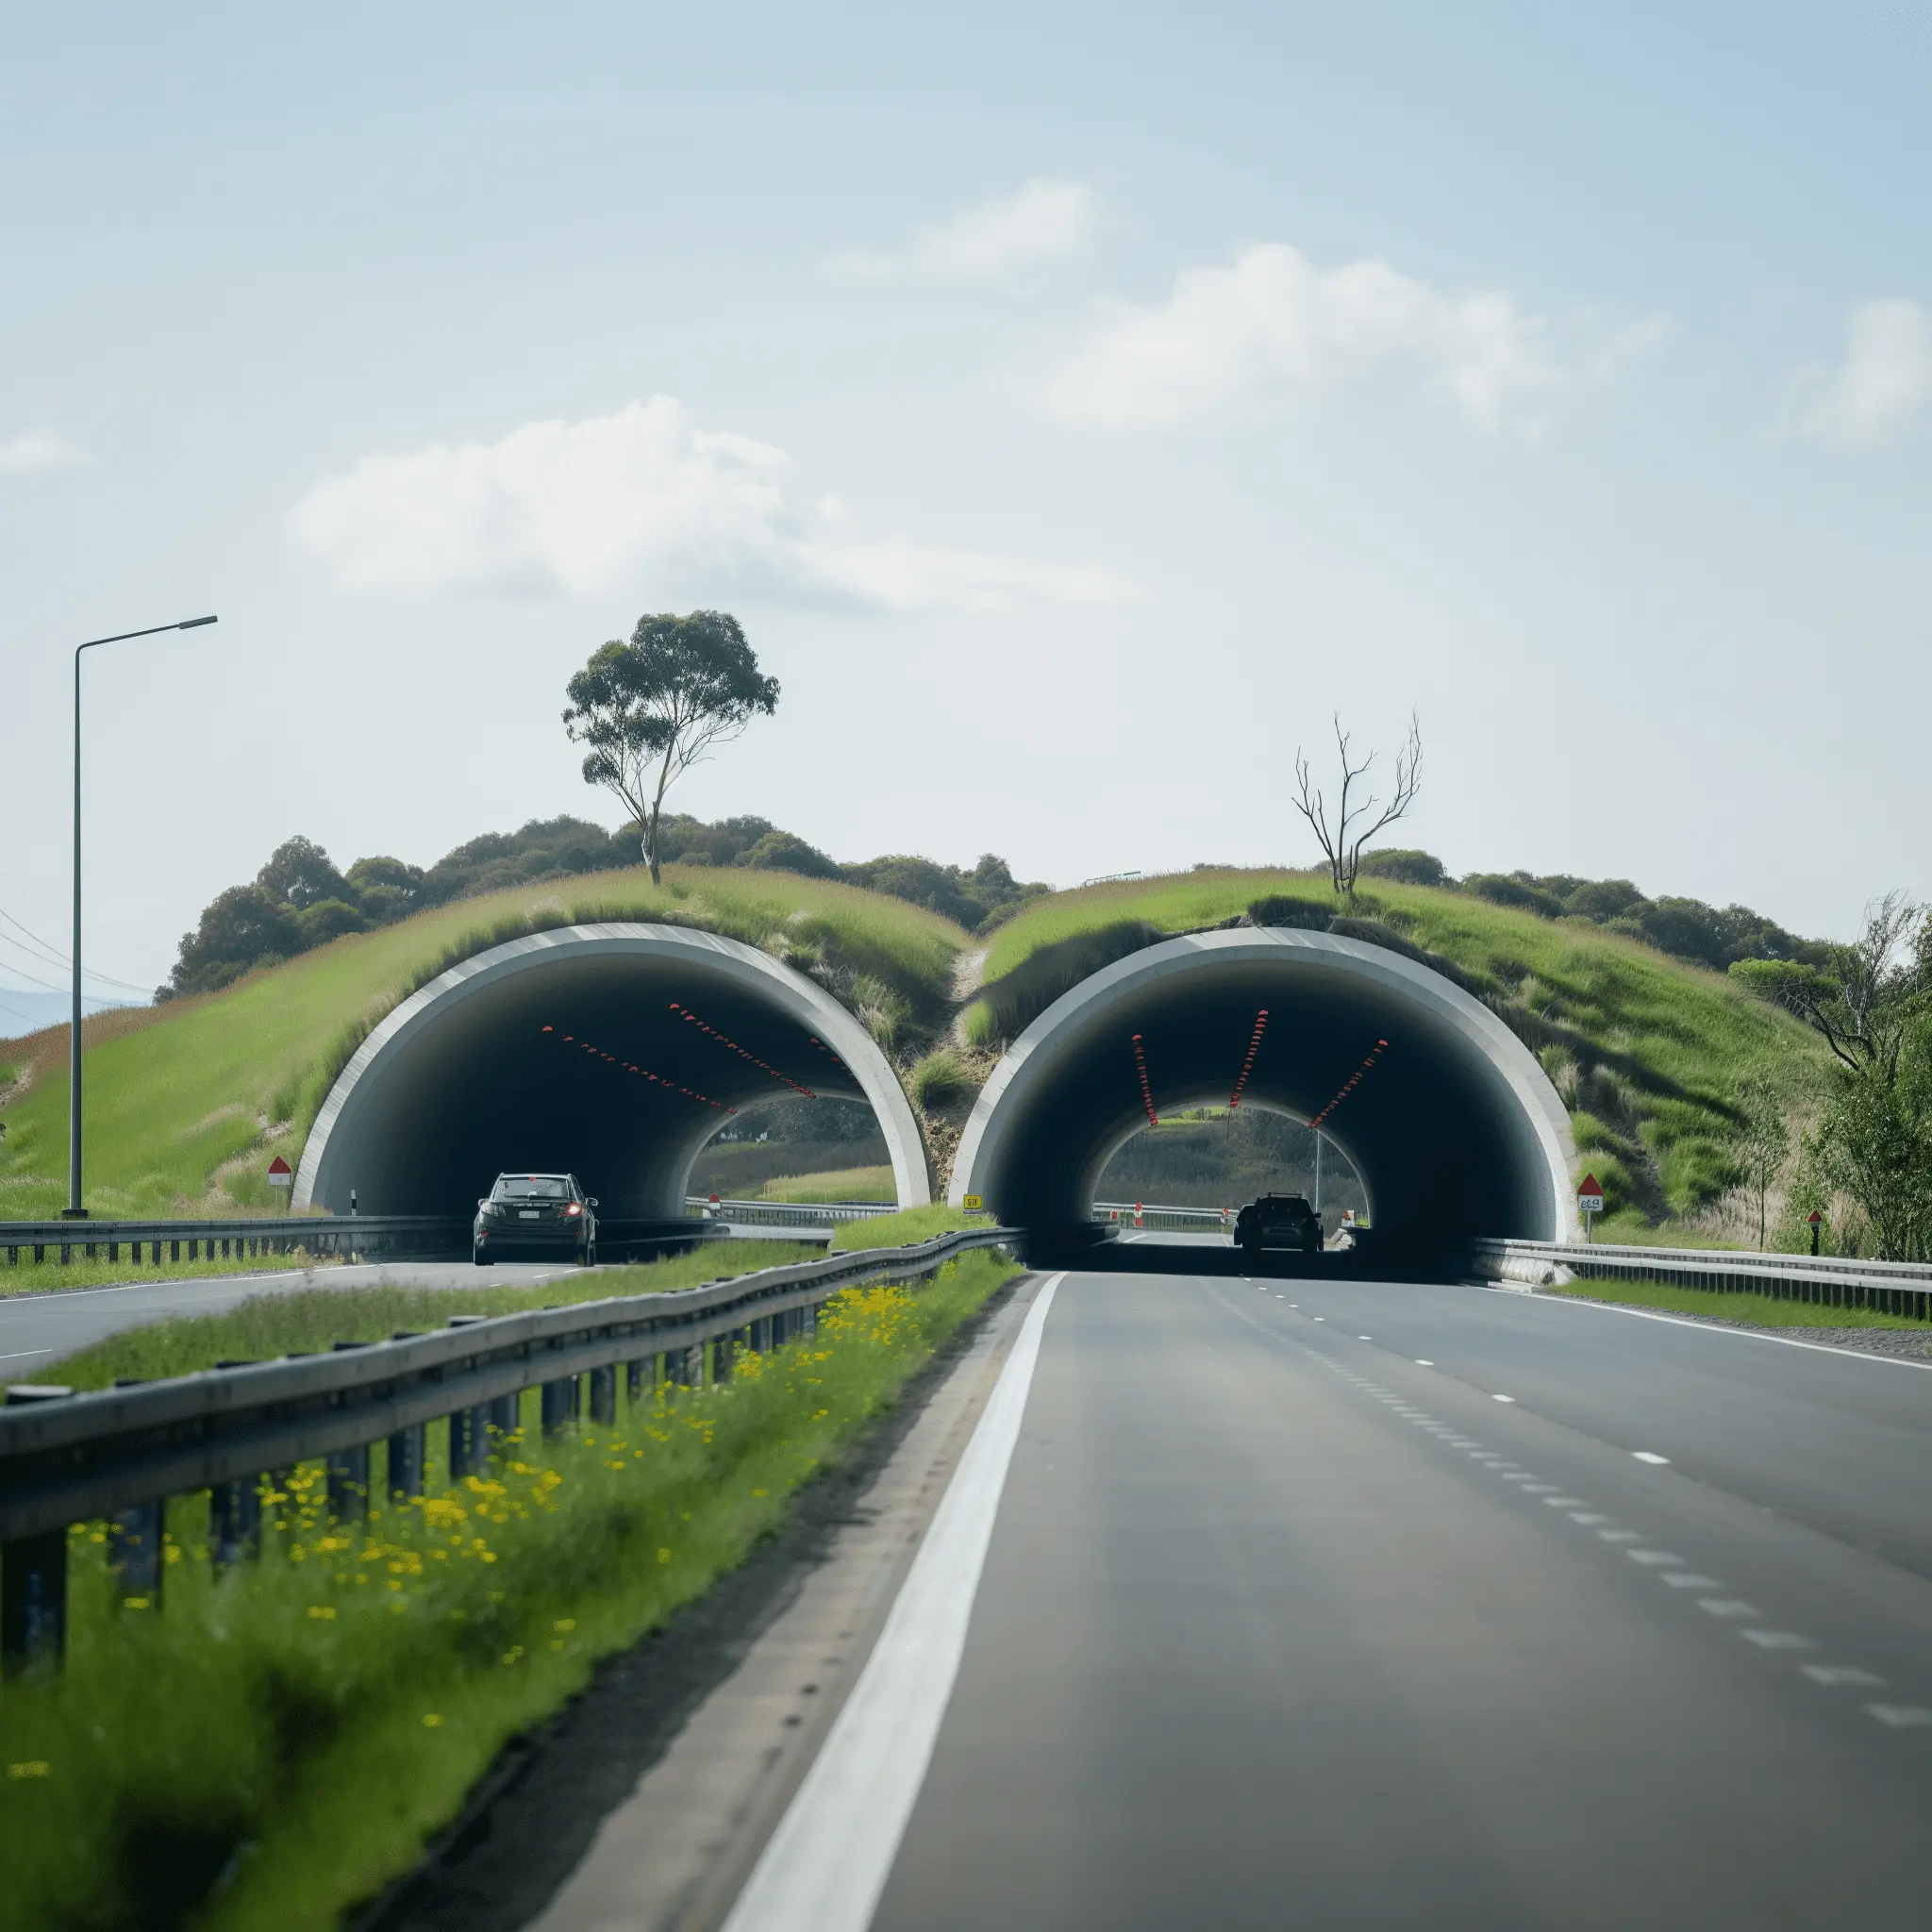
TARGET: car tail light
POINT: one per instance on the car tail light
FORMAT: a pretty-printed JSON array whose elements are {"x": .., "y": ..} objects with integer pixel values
[{"x": 574, "y": 1207}]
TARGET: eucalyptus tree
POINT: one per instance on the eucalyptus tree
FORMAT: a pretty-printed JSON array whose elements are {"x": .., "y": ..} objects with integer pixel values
[{"x": 649, "y": 709}]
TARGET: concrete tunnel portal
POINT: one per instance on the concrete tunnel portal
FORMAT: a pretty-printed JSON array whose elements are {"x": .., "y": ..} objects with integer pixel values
[
  {"x": 613, "y": 1052},
  {"x": 1446, "y": 1115}
]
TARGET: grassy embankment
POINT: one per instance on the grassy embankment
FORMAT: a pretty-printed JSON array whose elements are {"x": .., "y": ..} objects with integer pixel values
[
  {"x": 50, "y": 1277},
  {"x": 187, "y": 1102},
  {"x": 1646, "y": 1051},
  {"x": 838, "y": 1183},
  {"x": 282, "y": 1741}
]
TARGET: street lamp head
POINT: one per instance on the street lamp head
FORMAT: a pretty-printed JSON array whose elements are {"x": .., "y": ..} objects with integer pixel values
[{"x": 195, "y": 623}]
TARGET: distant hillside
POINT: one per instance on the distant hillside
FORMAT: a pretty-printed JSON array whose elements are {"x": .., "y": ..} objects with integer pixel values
[{"x": 300, "y": 900}]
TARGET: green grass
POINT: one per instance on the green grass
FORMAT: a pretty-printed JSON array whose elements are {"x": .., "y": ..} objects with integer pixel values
[
  {"x": 49, "y": 1276},
  {"x": 184, "y": 1099},
  {"x": 1759, "y": 1311},
  {"x": 268, "y": 1326},
  {"x": 1647, "y": 1051},
  {"x": 276, "y": 1745},
  {"x": 836, "y": 1184},
  {"x": 905, "y": 1229}
]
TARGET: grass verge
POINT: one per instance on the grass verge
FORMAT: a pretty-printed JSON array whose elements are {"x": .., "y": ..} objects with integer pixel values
[
  {"x": 901, "y": 1230},
  {"x": 296, "y": 1320},
  {"x": 282, "y": 1741},
  {"x": 48, "y": 1276},
  {"x": 1759, "y": 1311}
]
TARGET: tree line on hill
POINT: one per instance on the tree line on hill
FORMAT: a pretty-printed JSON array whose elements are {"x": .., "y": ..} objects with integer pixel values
[
  {"x": 1716, "y": 937},
  {"x": 300, "y": 899}
]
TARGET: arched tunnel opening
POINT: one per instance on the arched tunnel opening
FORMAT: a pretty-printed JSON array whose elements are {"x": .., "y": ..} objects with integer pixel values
[
  {"x": 1445, "y": 1115},
  {"x": 1216, "y": 1158},
  {"x": 611, "y": 1052}
]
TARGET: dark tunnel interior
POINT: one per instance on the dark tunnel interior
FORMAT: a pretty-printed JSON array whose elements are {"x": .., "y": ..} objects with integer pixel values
[
  {"x": 612, "y": 1066},
  {"x": 1445, "y": 1146}
]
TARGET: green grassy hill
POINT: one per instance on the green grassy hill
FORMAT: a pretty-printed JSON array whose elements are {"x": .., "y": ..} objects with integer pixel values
[
  {"x": 1647, "y": 1052},
  {"x": 184, "y": 1100}
]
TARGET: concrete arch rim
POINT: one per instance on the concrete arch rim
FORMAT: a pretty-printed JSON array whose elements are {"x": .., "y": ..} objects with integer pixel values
[
  {"x": 1541, "y": 1105},
  {"x": 804, "y": 999}
]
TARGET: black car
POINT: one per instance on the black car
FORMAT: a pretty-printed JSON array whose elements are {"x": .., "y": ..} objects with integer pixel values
[
  {"x": 1278, "y": 1221},
  {"x": 526, "y": 1213}
]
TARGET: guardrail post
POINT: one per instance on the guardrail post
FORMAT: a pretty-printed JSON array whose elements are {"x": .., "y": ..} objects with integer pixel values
[
  {"x": 33, "y": 1600},
  {"x": 724, "y": 1350},
  {"x": 505, "y": 1417},
  {"x": 33, "y": 1574},
  {"x": 234, "y": 1521},
  {"x": 560, "y": 1399},
  {"x": 639, "y": 1375},
  {"x": 603, "y": 1395},
  {"x": 348, "y": 1484},
  {"x": 469, "y": 1440},
  {"x": 136, "y": 1551},
  {"x": 407, "y": 1453}
]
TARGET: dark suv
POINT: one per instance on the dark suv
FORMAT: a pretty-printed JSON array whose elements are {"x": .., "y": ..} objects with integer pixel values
[
  {"x": 535, "y": 1211},
  {"x": 1278, "y": 1221}
]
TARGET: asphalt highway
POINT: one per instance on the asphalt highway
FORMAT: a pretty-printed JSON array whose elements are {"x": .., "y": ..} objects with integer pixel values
[{"x": 1388, "y": 1606}]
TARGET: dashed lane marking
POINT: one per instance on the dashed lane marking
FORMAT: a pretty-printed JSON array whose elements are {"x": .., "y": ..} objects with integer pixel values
[
  {"x": 1834, "y": 1676},
  {"x": 1561, "y": 1502},
  {"x": 1776, "y": 1639},
  {"x": 1421, "y": 1364},
  {"x": 1690, "y": 1579},
  {"x": 1621, "y": 1536},
  {"x": 1655, "y": 1560},
  {"x": 1727, "y": 1607},
  {"x": 1902, "y": 1717},
  {"x": 1502, "y": 1398},
  {"x": 1650, "y": 1457},
  {"x": 1589, "y": 1519}
]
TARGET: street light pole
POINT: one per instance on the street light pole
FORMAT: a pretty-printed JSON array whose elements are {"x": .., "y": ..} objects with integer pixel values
[{"x": 74, "y": 1211}]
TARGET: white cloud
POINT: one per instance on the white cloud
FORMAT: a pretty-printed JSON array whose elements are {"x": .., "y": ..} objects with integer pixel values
[
  {"x": 41, "y": 449},
  {"x": 1044, "y": 220},
  {"x": 643, "y": 501},
  {"x": 1273, "y": 319},
  {"x": 1885, "y": 380}
]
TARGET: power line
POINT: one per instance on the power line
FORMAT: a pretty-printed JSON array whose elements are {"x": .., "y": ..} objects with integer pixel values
[{"x": 52, "y": 955}]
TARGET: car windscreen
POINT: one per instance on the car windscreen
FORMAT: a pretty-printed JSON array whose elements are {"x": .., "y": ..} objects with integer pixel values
[{"x": 531, "y": 1186}]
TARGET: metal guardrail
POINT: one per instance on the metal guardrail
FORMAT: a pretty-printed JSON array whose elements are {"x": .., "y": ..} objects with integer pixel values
[
  {"x": 120, "y": 1452},
  {"x": 1144, "y": 1214},
  {"x": 319, "y": 1234},
  {"x": 1888, "y": 1288},
  {"x": 789, "y": 1213}
]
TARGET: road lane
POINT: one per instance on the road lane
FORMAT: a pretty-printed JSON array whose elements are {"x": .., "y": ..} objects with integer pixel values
[
  {"x": 1279, "y": 1625},
  {"x": 1833, "y": 1438}
]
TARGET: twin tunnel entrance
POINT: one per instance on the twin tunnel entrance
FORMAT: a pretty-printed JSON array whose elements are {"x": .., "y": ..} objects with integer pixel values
[{"x": 616, "y": 1051}]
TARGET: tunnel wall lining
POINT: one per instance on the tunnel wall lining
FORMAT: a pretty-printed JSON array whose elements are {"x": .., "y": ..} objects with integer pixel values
[
  {"x": 799, "y": 998},
  {"x": 1029, "y": 1063}
]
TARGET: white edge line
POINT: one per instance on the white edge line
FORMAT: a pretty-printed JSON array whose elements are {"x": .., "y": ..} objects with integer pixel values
[
  {"x": 1584, "y": 1301},
  {"x": 827, "y": 1863}
]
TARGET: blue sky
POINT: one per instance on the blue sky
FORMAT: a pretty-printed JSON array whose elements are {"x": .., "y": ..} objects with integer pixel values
[{"x": 1075, "y": 407}]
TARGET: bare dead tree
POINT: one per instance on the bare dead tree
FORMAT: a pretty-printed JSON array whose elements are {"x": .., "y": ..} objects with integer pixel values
[{"x": 1357, "y": 821}]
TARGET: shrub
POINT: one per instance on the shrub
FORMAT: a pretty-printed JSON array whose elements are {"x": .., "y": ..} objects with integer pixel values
[
  {"x": 1408, "y": 868},
  {"x": 939, "y": 1080},
  {"x": 1280, "y": 910}
]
